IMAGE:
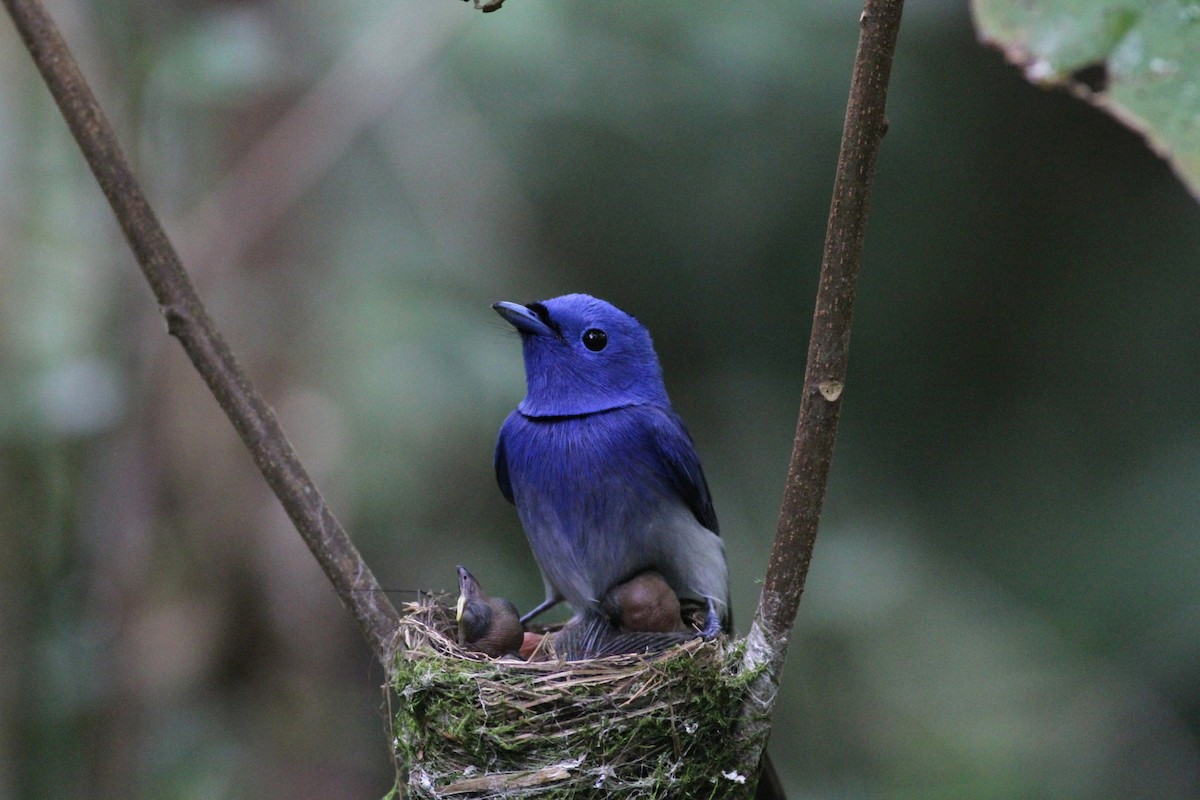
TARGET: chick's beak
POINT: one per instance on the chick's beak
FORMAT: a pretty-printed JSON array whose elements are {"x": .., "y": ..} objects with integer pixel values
[
  {"x": 522, "y": 318},
  {"x": 468, "y": 590}
]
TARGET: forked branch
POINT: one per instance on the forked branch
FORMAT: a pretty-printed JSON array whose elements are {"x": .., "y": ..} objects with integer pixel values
[{"x": 825, "y": 376}]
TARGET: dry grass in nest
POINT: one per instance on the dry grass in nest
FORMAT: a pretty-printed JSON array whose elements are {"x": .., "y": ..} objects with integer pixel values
[{"x": 468, "y": 726}]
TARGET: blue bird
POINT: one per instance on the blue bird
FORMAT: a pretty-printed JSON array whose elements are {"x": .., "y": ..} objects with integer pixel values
[
  {"x": 606, "y": 480},
  {"x": 603, "y": 473}
]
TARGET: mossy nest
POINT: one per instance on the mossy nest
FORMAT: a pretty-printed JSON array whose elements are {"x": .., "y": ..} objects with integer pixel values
[{"x": 468, "y": 726}]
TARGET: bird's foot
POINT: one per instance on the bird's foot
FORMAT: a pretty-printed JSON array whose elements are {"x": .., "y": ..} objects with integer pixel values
[
  {"x": 543, "y": 606},
  {"x": 712, "y": 623}
]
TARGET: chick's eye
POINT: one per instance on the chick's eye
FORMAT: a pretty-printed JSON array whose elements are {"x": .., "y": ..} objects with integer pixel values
[{"x": 595, "y": 339}]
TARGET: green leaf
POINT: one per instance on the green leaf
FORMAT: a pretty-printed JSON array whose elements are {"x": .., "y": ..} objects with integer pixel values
[{"x": 1139, "y": 61}]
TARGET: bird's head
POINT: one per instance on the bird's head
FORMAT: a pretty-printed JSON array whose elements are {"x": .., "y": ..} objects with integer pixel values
[
  {"x": 473, "y": 614},
  {"x": 583, "y": 355}
]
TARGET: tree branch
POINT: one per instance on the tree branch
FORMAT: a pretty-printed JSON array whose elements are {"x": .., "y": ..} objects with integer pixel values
[
  {"x": 188, "y": 321},
  {"x": 825, "y": 376}
]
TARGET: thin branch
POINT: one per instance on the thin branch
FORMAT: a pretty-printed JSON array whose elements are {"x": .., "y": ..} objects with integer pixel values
[
  {"x": 825, "y": 376},
  {"x": 188, "y": 321}
]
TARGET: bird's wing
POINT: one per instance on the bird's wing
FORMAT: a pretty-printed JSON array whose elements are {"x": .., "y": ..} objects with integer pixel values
[
  {"x": 678, "y": 456},
  {"x": 501, "y": 462}
]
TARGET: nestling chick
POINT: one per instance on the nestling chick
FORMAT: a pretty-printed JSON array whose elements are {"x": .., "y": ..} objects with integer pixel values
[
  {"x": 644, "y": 604},
  {"x": 641, "y": 615},
  {"x": 488, "y": 625}
]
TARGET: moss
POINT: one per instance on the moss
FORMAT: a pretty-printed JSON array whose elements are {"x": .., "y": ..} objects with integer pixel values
[{"x": 624, "y": 726}]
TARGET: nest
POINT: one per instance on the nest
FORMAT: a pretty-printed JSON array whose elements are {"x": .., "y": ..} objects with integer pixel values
[{"x": 468, "y": 726}]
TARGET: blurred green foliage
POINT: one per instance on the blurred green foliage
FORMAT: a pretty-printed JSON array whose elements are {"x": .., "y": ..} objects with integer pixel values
[{"x": 1003, "y": 601}]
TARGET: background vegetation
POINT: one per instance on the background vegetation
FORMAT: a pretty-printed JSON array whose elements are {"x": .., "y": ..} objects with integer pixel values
[{"x": 1003, "y": 601}]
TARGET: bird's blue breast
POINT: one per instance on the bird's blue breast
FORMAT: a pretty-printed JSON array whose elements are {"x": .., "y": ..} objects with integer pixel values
[{"x": 593, "y": 493}]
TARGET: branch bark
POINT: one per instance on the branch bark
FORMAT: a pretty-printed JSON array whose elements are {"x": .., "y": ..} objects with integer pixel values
[
  {"x": 189, "y": 322},
  {"x": 825, "y": 375}
]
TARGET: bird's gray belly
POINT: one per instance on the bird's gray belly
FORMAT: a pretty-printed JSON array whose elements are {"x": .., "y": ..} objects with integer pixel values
[{"x": 591, "y": 526}]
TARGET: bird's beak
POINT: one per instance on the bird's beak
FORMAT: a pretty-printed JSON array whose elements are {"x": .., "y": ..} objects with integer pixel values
[
  {"x": 468, "y": 587},
  {"x": 522, "y": 318}
]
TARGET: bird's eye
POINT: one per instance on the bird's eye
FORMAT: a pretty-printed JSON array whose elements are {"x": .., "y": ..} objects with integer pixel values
[{"x": 595, "y": 339}]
